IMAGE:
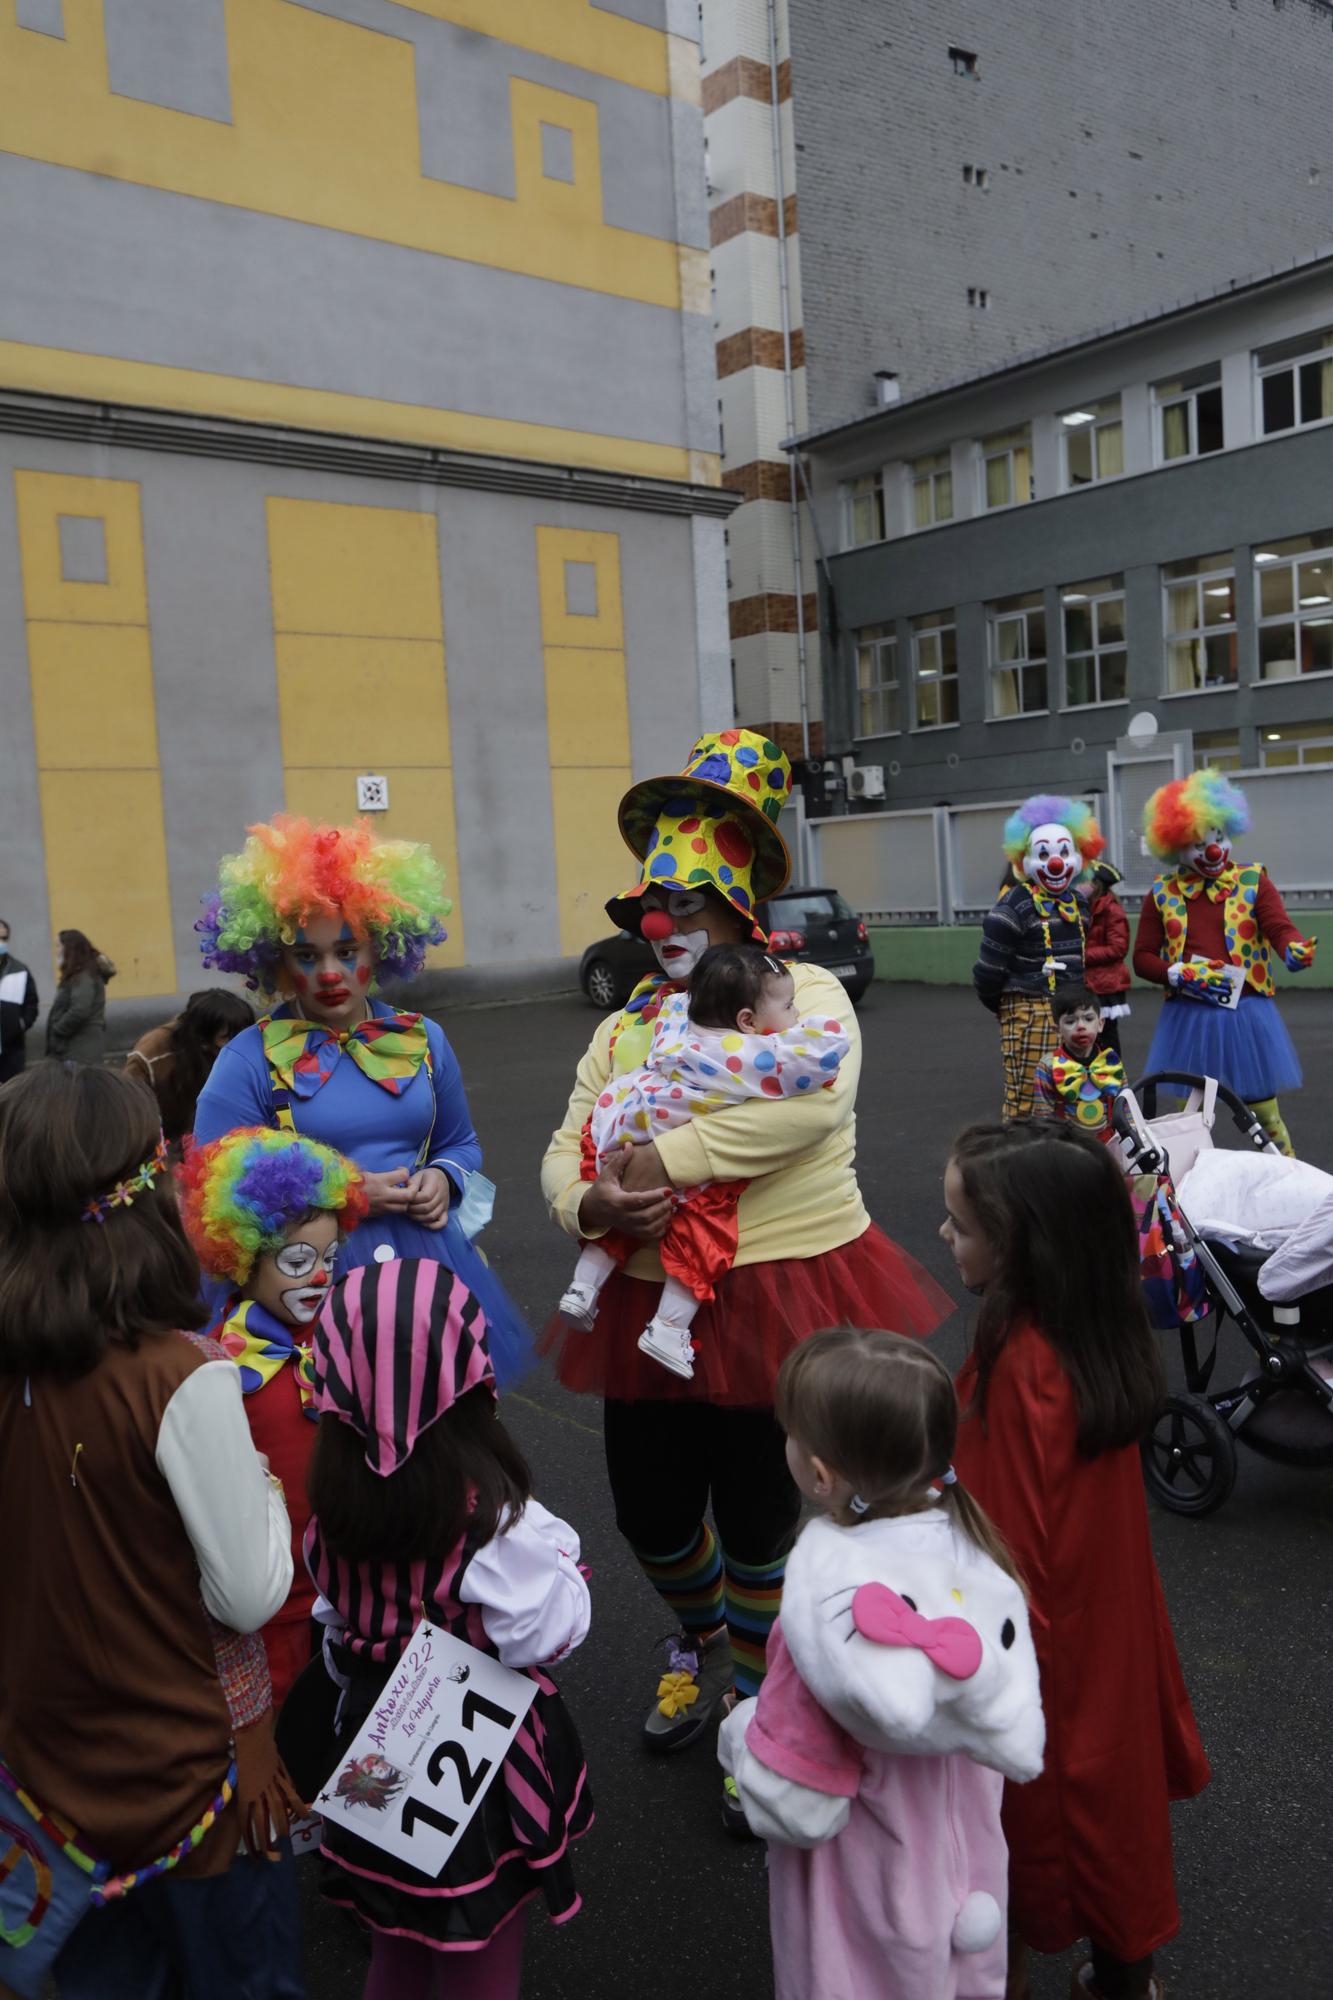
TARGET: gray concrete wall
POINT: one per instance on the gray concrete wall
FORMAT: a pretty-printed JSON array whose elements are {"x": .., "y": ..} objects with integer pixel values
[
  {"x": 1234, "y": 501},
  {"x": 210, "y": 613},
  {"x": 1136, "y": 153}
]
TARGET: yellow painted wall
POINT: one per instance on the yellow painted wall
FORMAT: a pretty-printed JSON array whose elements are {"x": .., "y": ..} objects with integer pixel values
[
  {"x": 323, "y": 130},
  {"x": 587, "y": 719},
  {"x": 91, "y": 667},
  {"x": 359, "y": 645}
]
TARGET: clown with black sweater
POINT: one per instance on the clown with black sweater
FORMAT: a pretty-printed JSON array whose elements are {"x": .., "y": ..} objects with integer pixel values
[
  {"x": 1207, "y": 930},
  {"x": 1033, "y": 938}
]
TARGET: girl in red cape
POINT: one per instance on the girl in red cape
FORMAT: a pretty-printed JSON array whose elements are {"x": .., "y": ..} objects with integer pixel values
[{"x": 1060, "y": 1386}]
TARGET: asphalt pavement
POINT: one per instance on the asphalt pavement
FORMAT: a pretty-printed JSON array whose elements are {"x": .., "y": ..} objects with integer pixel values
[{"x": 674, "y": 1907}]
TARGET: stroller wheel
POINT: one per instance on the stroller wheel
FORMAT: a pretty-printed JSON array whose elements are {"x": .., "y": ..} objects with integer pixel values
[{"x": 1189, "y": 1456}]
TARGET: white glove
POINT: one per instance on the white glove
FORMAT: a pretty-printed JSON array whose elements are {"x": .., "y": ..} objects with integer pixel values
[
  {"x": 1173, "y": 973},
  {"x": 1052, "y": 966}
]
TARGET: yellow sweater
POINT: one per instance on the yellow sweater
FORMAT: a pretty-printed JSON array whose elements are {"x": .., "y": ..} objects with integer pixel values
[{"x": 796, "y": 1152}]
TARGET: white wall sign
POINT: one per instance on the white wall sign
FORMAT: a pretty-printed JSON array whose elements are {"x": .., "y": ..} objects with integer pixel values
[
  {"x": 422, "y": 1762},
  {"x": 372, "y": 795}
]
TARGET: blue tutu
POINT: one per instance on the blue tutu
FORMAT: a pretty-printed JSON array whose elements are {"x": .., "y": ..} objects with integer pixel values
[
  {"x": 508, "y": 1334},
  {"x": 1249, "y": 1050}
]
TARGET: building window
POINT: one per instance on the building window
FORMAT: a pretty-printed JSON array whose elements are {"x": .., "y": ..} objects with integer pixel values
[
  {"x": 1201, "y": 650},
  {"x": 1293, "y": 584},
  {"x": 932, "y": 489},
  {"x": 1189, "y": 414},
  {"x": 1296, "y": 743},
  {"x": 1217, "y": 748},
  {"x": 1095, "y": 657},
  {"x": 1006, "y": 465},
  {"x": 964, "y": 61},
  {"x": 935, "y": 670},
  {"x": 1295, "y": 382},
  {"x": 865, "y": 510},
  {"x": 1094, "y": 442},
  {"x": 1018, "y": 656},
  {"x": 877, "y": 681}
]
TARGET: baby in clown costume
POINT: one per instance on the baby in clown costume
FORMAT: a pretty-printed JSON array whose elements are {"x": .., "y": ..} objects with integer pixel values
[
  {"x": 1206, "y": 930},
  {"x": 733, "y": 1036}
]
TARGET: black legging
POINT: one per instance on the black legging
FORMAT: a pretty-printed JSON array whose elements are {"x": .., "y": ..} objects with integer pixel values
[{"x": 664, "y": 1461}]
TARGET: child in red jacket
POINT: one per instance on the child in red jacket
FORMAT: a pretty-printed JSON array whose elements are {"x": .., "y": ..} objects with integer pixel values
[{"x": 1105, "y": 950}]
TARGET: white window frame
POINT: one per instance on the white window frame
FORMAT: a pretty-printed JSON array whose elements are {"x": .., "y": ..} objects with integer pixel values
[
  {"x": 882, "y": 642},
  {"x": 1106, "y": 414},
  {"x": 1320, "y": 350},
  {"x": 927, "y": 472},
  {"x": 1198, "y": 632},
  {"x": 1022, "y": 664},
  {"x": 1206, "y": 755},
  {"x": 869, "y": 486},
  {"x": 1300, "y": 744},
  {"x": 1322, "y": 615},
  {"x": 932, "y": 626},
  {"x": 1093, "y": 600},
  {"x": 1003, "y": 445},
  {"x": 1190, "y": 397}
]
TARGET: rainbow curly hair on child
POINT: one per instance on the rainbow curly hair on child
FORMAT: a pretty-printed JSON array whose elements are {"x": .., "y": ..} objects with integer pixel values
[
  {"x": 1047, "y": 810},
  {"x": 1180, "y": 814},
  {"x": 241, "y": 1194},
  {"x": 291, "y": 871}
]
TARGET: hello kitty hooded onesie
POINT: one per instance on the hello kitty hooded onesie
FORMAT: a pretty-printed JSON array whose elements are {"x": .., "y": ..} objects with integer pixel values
[{"x": 902, "y": 1690}]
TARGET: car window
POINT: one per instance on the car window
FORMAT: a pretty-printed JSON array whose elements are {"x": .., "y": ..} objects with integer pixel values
[{"x": 821, "y": 906}]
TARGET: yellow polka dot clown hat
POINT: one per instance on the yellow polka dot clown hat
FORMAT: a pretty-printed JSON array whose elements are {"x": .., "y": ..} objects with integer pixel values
[{"x": 713, "y": 825}]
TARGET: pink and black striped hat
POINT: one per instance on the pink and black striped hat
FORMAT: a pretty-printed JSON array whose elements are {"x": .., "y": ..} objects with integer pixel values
[{"x": 394, "y": 1347}]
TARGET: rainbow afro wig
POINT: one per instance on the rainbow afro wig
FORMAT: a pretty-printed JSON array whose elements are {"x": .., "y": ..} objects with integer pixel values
[
  {"x": 1046, "y": 810},
  {"x": 240, "y": 1195},
  {"x": 1180, "y": 814},
  {"x": 291, "y": 871}
]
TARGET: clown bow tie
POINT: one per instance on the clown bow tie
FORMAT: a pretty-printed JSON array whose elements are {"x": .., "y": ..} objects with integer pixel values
[
  {"x": 1051, "y": 903},
  {"x": 1105, "y": 1070},
  {"x": 389, "y": 1049},
  {"x": 1218, "y": 887}
]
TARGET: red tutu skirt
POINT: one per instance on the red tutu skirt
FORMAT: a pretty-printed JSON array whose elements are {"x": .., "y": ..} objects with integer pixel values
[{"x": 759, "y": 1312}]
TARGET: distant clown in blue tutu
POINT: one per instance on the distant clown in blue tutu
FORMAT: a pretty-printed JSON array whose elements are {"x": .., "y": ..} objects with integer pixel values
[
  {"x": 313, "y": 915},
  {"x": 1207, "y": 932}
]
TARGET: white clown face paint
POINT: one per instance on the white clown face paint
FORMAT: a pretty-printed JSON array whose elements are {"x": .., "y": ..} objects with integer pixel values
[
  {"x": 1052, "y": 860},
  {"x": 679, "y": 951},
  {"x": 1209, "y": 856},
  {"x": 292, "y": 1283}
]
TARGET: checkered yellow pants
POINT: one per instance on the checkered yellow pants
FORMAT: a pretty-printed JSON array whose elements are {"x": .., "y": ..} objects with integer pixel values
[{"x": 1027, "y": 1034}]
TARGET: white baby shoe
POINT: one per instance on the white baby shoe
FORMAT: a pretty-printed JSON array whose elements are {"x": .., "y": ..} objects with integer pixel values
[{"x": 671, "y": 1345}]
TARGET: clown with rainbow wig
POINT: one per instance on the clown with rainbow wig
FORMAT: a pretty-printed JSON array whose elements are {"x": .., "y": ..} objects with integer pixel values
[
  {"x": 1032, "y": 940},
  {"x": 265, "y": 1212},
  {"x": 1208, "y": 928},
  {"x": 314, "y": 916}
]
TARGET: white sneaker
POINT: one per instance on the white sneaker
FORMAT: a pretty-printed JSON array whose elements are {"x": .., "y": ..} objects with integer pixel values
[
  {"x": 671, "y": 1345},
  {"x": 579, "y": 1306}
]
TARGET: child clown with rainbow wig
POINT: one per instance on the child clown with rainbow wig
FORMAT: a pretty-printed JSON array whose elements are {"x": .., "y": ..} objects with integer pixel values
[
  {"x": 314, "y": 916},
  {"x": 1206, "y": 933},
  {"x": 1032, "y": 940},
  {"x": 265, "y": 1212}
]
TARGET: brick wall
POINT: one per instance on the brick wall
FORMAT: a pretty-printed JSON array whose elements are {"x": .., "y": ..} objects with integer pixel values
[{"x": 1134, "y": 154}]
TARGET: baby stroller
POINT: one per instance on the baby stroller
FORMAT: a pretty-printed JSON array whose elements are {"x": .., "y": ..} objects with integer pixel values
[{"x": 1282, "y": 1407}]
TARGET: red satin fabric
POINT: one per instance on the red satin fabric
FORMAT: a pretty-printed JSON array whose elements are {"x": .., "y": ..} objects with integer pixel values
[
  {"x": 700, "y": 1244},
  {"x": 1090, "y": 1840}
]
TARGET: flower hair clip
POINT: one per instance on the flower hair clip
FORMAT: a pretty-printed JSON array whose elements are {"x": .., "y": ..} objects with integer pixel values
[{"x": 123, "y": 1193}]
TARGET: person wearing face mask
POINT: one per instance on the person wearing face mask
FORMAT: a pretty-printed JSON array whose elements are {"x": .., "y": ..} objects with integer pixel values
[
  {"x": 1033, "y": 937},
  {"x": 806, "y": 1253},
  {"x": 312, "y": 916},
  {"x": 265, "y": 1212},
  {"x": 18, "y": 1007},
  {"x": 1206, "y": 932}
]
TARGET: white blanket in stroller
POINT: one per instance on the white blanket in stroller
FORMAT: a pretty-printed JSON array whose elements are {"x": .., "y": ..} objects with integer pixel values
[{"x": 1257, "y": 1198}]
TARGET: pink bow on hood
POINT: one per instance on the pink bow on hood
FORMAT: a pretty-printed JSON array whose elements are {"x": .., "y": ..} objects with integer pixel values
[{"x": 950, "y": 1644}]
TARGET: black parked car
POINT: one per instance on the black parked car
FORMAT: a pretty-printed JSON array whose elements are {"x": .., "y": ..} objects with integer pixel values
[{"x": 817, "y": 925}]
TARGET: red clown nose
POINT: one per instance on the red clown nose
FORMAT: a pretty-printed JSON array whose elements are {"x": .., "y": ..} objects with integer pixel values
[{"x": 656, "y": 925}]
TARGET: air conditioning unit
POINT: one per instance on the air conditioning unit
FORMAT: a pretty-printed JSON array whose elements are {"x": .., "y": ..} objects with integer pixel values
[{"x": 867, "y": 782}]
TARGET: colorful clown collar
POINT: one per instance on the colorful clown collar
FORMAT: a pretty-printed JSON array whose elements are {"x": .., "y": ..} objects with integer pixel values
[
  {"x": 388, "y": 1048},
  {"x": 1087, "y": 1090},
  {"x": 1216, "y": 887},
  {"x": 261, "y": 1346}
]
